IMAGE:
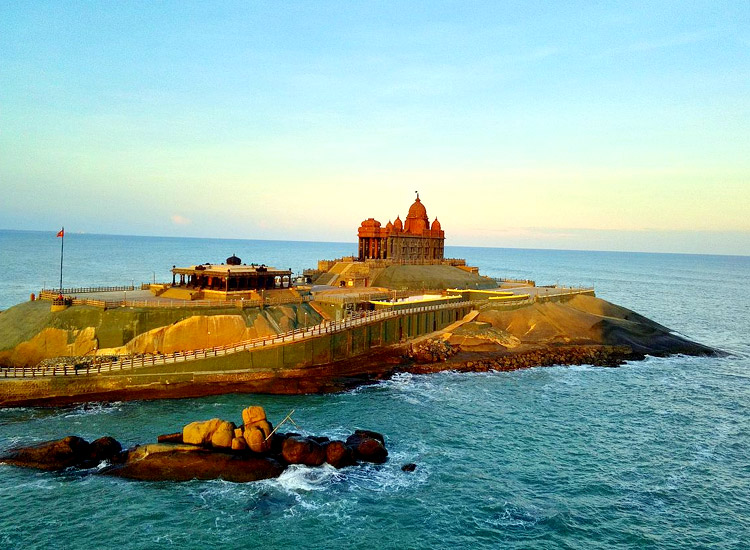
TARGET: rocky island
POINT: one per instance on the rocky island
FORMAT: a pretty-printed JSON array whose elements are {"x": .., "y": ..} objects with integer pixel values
[{"x": 399, "y": 305}]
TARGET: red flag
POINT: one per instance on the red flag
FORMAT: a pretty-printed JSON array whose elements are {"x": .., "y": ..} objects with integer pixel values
[{"x": 61, "y": 233}]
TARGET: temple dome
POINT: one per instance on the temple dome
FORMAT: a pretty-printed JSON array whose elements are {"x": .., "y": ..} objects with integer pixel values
[
  {"x": 234, "y": 260},
  {"x": 416, "y": 220},
  {"x": 435, "y": 225},
  {"x": 389, "y": 225},
  {"x": 370, "y": 222},
  {"x": 398, "y": 224},
  {"x": 417, "y": 210}
]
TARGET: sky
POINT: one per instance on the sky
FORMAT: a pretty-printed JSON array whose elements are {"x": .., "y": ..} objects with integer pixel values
[{"x": 572, "y": 125}]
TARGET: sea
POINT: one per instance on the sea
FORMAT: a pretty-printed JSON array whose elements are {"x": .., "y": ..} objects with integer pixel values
[{"x": 652, "y": 454}]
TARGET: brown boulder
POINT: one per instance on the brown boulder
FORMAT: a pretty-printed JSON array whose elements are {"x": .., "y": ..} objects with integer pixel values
[
  {"x": 338, "y": 454},
  {"x": 239, "y": 444},
  {"x": 51, "y": 455},
  {"x": 104, "y": 448},
  {"x": 302, "y": 450},
  {"x": 367, "y": 446},
  {"x": 170, "y": 438}
]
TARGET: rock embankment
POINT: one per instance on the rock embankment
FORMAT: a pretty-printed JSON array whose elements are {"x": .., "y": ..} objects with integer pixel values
[
  {"x": 600, "y": 356},
  {"x": 431, "y": 351},
  {"x": 209, "y": 449}
]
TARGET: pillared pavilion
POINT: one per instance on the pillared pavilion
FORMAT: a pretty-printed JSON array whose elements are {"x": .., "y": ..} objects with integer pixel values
[
  {"x": 232, "y": 276},
  {"x": 413, "y": 240}
]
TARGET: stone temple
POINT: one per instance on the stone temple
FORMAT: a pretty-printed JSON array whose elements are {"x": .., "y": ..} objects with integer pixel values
[
  {"x": 401, "y": 255},
  {"x": 414, "y": 240}
]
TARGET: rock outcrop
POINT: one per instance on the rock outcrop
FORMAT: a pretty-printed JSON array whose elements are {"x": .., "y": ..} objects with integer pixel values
[
  {"x": 431, "y": 351},
  {"x": 181, "y": 462},
  {"x": 367, "y": 446},
  {"x": 208, "y": 449},
  {"x": 68, "y": 452}
]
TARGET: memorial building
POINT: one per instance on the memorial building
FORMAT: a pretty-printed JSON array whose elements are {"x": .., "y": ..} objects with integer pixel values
[
  {"x": 413, "y": 241},
  {"x": 231, "y": 276}
]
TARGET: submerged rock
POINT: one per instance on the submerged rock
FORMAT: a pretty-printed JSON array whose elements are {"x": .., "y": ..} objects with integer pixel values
[{"x": 367, "y": 446}]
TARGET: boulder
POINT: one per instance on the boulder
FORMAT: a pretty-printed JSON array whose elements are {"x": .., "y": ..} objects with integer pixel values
[
  {"x": 104, "y": 448},
  {"x": 367, "y": 446},
  {"x": 256, "y": 440},
  {"x": 170, "y": 438},
  {"x": 200, "y": 433},
  {"x": 303, "y": 450},
  {"x": 251, "y": 415},
  {"x": 239, "y": 444},
  {"x": 171, "y": 462},
  {"x": 338, "y": 454},
  {"x": 71, "y": 451},
  {"x": 277, "y": 441},
  {"x": 223, "y": 436},
  {"x": 370, "y": 434},
  {"x": 264, "y": 425}
]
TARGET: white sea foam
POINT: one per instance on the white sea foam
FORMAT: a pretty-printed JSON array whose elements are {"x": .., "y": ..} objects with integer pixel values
[
  {"x": 298, "y": 478},
  {"x": 89, "y": 409}
]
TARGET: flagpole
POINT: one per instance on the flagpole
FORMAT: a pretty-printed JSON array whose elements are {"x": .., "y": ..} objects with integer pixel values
[{"x": 62, "y": 246}]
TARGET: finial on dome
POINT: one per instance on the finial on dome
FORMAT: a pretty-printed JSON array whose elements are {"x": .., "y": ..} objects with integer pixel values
[{"x": 417, "y": 192}]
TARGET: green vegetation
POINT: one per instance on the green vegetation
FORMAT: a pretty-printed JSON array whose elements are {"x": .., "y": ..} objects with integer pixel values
[{"x": 115, "y": 327}]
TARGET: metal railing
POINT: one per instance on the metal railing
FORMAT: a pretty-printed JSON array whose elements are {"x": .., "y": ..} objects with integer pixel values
[
  {"x": 54, "y": 292},
  {"x": 132, "y": 362},
  {"x": 54, "y": 297}
]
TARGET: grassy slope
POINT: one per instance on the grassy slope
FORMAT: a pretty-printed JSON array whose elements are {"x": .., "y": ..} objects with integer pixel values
[
  {"x": 429, "y": 276},
  {"x": 114, "y": 327},
  {"x": 589, "y": 320}
]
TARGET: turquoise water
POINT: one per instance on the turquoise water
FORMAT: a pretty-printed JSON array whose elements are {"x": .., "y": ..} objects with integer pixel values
[{"x": 654, "y": 454}]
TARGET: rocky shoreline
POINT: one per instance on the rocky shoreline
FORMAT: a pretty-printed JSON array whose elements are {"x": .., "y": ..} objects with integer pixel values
[
  {"x": 427, "y": 361},
  {"x": 211, "y": 449}
]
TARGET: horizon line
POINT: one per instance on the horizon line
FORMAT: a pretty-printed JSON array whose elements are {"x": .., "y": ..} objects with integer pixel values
[{"x": 353, "y": 243}]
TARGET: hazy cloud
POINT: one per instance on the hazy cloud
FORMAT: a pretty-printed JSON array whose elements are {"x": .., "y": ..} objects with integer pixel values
[{"x": 177, "y": 219}]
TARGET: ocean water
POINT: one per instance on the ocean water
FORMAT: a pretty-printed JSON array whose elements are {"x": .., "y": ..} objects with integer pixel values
[{"x": 654, "y": 454}]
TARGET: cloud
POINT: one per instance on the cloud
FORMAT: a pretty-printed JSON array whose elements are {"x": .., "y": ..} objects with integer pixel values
[{"x": 177, "y": 219}]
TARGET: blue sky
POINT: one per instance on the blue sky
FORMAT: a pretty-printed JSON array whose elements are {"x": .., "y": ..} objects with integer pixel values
[{"x": 617, "y": 126}]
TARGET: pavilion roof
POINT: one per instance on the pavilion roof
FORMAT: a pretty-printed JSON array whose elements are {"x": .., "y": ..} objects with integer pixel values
[{"x": 223, "y": 270}]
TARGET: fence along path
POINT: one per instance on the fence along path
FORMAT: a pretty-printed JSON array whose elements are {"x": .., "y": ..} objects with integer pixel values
[
  {"x": 132, "y": 362},
  {"x": 164, "y": 303}
]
